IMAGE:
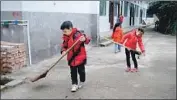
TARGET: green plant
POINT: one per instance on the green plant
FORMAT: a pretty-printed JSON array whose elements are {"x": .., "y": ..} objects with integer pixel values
[{"x": 166, "y": 11}]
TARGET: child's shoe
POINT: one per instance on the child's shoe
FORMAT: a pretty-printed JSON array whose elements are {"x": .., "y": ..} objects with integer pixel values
[
  {"x": 81, "y": 84},
  {"x": 134, "y": 70},
  {"x": 128, "y": 70},
  {"x": 74, "y": 88}
]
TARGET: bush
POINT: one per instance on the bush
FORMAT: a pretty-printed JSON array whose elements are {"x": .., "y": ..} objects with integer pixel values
[{"x": 166, "y": 11}]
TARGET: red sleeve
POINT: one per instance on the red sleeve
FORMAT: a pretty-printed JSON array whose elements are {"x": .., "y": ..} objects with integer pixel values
[
  {"x": 141, "y": 45},
  {"x": 64, "y": 45},
  {"x": 112, "y": 36},
  {"x": 87, "y": 39},
  {"x": 121, "y": 34},
  {"x": 126, "y": 36}
]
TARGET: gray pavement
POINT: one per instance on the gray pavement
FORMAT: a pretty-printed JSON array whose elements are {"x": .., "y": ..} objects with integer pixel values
[{"x": 106, "y": 78}]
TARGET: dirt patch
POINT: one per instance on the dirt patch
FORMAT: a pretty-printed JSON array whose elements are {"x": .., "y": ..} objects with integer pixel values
[{"x": 5, "y": 80}]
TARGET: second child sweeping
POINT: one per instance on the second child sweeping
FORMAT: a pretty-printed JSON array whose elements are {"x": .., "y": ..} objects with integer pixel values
[
  {"x": 117, "y": 36},
  {"x": 131, "y": 39}
]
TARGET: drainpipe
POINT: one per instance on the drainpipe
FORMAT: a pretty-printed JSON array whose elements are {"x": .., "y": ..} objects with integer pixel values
[{"x": 29, "y": 43}]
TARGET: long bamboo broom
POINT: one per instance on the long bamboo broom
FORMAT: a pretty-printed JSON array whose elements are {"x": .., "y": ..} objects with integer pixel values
[{"x": 43, "y": 75}]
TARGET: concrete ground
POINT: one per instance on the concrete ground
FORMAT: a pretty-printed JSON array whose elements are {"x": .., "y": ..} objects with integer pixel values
[{"x": 106, "y": 78}]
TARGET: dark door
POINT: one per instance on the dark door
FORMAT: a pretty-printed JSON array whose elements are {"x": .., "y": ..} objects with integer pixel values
[
  {"x": 111, "y": 14},
  {"x": 131, "y": 11},
  {"x": 132, "y": 15},
  {"x": 141, "y": 15}
]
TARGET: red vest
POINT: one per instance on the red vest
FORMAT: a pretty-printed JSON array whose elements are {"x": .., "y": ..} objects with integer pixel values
[{"x": 77, "y": 55}]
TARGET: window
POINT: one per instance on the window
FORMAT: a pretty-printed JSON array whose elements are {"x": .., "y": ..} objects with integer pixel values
[
  {"x": 137, "y": 11},
  {"x": 144, "y": 12},
  {"x": 125, "y": 8},
  {"x": 102, "y": 7},
  {"x": 121, "y": 8},
  {"x": 115, "y": 9}
]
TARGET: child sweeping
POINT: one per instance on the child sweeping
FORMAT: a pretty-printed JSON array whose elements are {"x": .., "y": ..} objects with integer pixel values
[
  {"x": 117, "y": 36},
  {"x": 132, "y": 38},
  {"x": 77, "y": 56}
]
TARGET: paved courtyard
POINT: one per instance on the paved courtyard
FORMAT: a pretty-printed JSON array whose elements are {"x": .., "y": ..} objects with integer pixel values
[{"x": 106, "y": 78}]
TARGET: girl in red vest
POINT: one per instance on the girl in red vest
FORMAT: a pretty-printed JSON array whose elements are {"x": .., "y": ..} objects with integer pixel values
[
  {"x": 117, "y": 36},
  {"x": 132, "y": 38},
  {"x": 77, "y": 56}
]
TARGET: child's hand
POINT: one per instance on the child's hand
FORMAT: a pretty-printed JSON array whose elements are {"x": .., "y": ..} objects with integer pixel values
[
  {"x": 143, "y": 53},
  {"x": 63, "y": 52},
  {"x": 82, "y": 38}
]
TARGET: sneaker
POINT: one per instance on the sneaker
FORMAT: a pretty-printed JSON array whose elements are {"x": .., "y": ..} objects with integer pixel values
[
  {"x": 81, "y": 84},
  {"x": 128, "y": 70},
  {"x": 119, "y": 50},
  {"x": 134, "y": 70},
  {"x": 74, "y": 88}
]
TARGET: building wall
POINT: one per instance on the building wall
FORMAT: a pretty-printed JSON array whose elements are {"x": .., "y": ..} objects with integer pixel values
[
  {"x": 10, "y": 7},
  {"x": 84, "y": 7},
  {"x": 104, "y": 20},
  {"x": 104, "y": 24},
  {"x": 45, "y": 18}
]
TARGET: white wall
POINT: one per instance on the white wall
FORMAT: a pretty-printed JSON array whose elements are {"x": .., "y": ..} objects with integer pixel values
[
  {"x": 61, "y": 6},
  {"x": 11, "y": 5},
  {"x": 142, "y": 4},
  {"x": 94, "y": 7},
  {"x": 90, "y": 7},
  {"x": 104, "y": 24},
  {"x": 126, "y": 22}
]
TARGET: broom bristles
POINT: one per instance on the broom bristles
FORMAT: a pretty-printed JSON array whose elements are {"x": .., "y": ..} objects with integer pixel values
[
  {"x": 40, "y": 76},
  {"x": 45, "y": 73}
]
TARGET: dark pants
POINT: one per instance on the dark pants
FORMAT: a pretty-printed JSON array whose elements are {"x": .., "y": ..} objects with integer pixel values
[
  {"x": 121, "y": 24},
  {"x": 127, "y": 52},
  {"x": 77, "y": 69}
]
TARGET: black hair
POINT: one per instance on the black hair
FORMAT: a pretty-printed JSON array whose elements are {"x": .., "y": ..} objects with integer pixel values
[
  {"x": 66, "y": 25},
  {"x": 115, "y": 26},
  {"x": 141, "y": 30}
]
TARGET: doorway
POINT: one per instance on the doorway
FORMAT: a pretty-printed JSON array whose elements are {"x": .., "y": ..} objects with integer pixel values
[
  {"x": 111, "y": 14},
  {"x": 132, "y": 15},
  {"x": 141, "y": 16}
]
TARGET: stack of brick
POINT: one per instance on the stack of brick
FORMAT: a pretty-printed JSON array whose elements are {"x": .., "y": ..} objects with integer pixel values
[{"x": 13, "y": 56}]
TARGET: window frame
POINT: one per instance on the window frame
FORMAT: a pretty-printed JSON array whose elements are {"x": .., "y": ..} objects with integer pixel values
[{"x": 103, "y": 8}]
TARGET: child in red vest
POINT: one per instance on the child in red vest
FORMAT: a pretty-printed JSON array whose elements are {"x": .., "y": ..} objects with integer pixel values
[
  {"x": 121, "y": 19},
  {"x": 77, "y": 56},
  {"x": 132, "y": 38},
  {"x": 117, "y": 36}
]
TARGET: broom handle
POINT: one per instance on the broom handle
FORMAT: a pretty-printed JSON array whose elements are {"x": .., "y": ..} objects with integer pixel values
[
  {"x": 64, "y": 54},
  {"x": 122, "y": 45}
]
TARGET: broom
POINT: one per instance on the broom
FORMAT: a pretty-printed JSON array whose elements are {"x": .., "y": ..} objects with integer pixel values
[
  {"x": 43, "y": 75},
  {"x": 137, "y": 52}
]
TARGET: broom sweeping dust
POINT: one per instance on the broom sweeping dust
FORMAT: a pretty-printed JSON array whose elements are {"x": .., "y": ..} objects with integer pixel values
[
  {"x": 43, "y": 75},
  {"x": 137, "y": 52}
]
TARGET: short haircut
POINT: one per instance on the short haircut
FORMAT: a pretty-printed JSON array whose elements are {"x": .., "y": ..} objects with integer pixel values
[
  {"x": 66, "y": 25},
  {"x": 141, "y": 30}
]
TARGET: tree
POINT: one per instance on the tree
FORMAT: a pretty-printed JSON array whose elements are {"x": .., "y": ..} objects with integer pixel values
[{"x": 166, "y": 11}]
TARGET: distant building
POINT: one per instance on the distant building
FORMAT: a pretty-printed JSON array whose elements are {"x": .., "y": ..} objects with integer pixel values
[
  {"x": 45, "y": 18},
  {"x": 133, "y": 11}
]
